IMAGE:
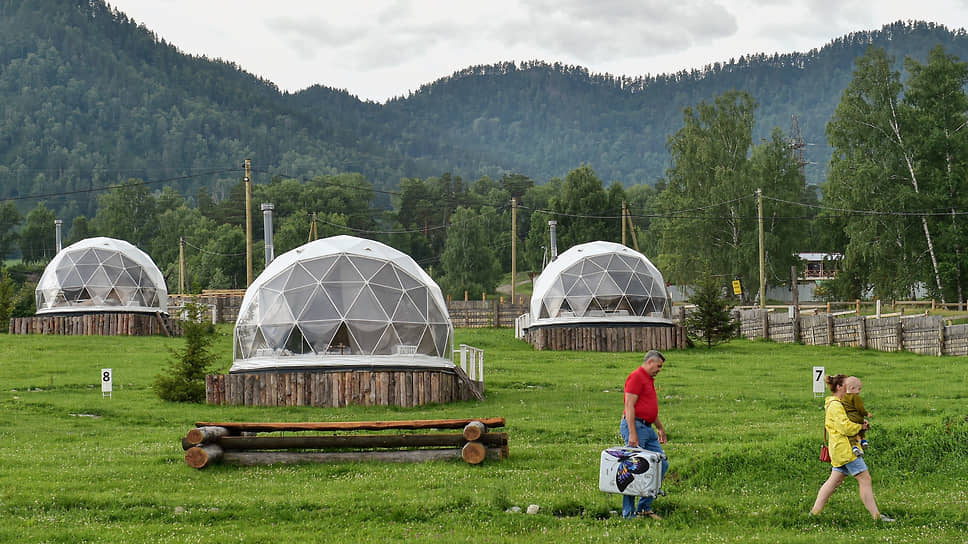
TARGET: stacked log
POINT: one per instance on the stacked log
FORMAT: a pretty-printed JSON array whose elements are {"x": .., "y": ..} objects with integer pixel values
[{"x": 241, "y": 444}]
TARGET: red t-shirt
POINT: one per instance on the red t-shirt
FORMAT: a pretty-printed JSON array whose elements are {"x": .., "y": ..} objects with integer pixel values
[{"x": 640, "y": 383}]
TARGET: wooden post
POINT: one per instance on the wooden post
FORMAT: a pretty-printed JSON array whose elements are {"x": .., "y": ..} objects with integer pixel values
[
  {"x": 863, "y": 332},
  {"x": 940, "y": 338},
  {"x": 514, "y": 246},
  {"x": 900, "y": 335},
  {"x": 796, "y": 304},
  {"x": 766, "y": 323},
  {"x": 830, "y": 329}
]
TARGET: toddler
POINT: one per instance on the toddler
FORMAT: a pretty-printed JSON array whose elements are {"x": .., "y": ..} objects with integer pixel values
[{"x": 854, "y": 406}]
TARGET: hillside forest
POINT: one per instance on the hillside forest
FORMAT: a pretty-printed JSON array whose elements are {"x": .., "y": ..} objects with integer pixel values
[{"x": 119, "y": 134}]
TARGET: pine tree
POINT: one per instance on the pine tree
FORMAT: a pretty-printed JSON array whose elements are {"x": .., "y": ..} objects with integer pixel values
[
  {"x": 184, "y": 380},
  {"x": 711, "y": 322}
]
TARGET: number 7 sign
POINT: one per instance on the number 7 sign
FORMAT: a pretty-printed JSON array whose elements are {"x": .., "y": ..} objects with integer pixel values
[{"x": 819, "y": 384}]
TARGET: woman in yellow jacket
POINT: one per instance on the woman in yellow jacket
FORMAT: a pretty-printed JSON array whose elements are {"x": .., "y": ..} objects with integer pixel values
[{"x": 842, "y": 459}]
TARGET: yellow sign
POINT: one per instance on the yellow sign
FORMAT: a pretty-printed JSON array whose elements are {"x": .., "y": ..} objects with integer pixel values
[{"x": 737, "y": 288}]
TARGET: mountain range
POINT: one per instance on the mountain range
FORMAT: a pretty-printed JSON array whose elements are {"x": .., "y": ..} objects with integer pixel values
[{"x": 88, "y": 97}]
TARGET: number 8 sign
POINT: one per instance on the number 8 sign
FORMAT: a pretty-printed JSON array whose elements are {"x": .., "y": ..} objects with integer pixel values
[{"x": 106, "y": 382}]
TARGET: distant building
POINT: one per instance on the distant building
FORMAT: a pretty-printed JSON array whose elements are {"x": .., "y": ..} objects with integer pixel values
[{"x": 820, "y": 266}]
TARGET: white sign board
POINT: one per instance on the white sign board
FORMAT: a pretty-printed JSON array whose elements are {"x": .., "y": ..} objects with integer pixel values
[
  {"x": 819, "y": 384},
  {"x": 106, "y": 382}
]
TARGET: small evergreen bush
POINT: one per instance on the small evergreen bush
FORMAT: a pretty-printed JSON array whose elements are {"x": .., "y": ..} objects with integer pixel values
[
  {"x": 711, "y": 322},
  {"x": 184, "y": 380}
]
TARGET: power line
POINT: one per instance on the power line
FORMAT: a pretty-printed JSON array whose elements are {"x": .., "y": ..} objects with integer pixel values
[{"x": 118, "y": 186}]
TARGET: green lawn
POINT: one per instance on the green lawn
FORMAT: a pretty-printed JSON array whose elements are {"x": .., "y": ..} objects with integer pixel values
[{"x": 743, "y": 424}]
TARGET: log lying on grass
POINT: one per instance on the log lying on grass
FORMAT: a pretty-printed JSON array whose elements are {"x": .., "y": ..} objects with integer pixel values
[
  {"x": 238, "y": 442},
  {"x": 249, "y": 458},
  {"x": 203, "y": 456},
  {"x": 355, "y": 425}
]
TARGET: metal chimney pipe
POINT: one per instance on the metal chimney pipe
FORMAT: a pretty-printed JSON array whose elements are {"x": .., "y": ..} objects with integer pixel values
[
  {"x": 267, "y": 223},
  {"x": 554, "y": 240},
  {"x": 59, "y": 239}
]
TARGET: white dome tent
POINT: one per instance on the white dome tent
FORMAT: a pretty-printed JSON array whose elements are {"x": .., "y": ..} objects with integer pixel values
[
  {"x": 101, "y": 275},
  {"x": 342, "y": 302},
  {"x": 600, "y": 282}
]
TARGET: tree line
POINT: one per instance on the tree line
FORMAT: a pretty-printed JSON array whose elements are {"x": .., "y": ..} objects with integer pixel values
[{"x": 893, "y": 203}]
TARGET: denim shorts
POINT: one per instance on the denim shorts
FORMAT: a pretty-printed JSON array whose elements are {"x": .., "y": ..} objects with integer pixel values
[{"x": 854, "y": 467}]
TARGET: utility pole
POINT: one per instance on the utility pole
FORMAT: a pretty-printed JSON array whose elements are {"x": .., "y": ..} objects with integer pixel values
[
  {"x": 248, "y": 222},
  {"x": 181, "y": 266},
  {"x": 635, "y": 239},
  {"x": 759, "y": 208},
  {"x": 514, "y": 247},
  {"x": 312, "y": 229}
]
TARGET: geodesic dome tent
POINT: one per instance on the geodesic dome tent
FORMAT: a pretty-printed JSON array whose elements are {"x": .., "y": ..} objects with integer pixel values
[
  {"x": 101, "y": 275},
  {"x": 600, "y": 282},
  {"x": 341, "y": 302}
]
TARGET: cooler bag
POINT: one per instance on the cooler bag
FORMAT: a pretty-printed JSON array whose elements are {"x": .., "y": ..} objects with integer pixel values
[{"x": 631, "y": 471}]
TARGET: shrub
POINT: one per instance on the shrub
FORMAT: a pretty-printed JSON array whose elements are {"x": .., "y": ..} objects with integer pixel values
[
  {"x": 711, "y": 322},
  {"x": 184, "y": 380}
]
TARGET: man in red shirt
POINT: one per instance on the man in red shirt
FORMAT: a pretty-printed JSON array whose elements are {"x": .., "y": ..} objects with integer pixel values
[{"x": 642, "y": 407}]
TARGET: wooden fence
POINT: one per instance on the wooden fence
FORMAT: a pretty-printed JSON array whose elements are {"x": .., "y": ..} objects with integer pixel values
[
  {"x": 222, "y": 306},
  {"x": 917, "y": 334},
  {"x": 484, "y": 313},
  {"x": 97, "y": 324}
]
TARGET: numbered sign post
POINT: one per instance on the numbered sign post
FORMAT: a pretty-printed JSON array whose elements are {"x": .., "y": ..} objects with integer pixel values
[
  {"x": 819, "y": 383},
  {"x": 107, "y": 383}
]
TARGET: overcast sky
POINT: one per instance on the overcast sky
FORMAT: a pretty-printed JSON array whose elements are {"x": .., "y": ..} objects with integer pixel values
[{"x": 380, "y": 49}]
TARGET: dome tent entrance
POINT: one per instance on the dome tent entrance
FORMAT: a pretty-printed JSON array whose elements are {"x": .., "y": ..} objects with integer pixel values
[
  {"x": 342, "y": 302},
  {"x": 101, "y": 275},
  {"x": 600, "y": 282}
]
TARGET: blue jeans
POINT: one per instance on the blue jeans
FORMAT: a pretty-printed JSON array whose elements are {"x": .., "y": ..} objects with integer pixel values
[{"x": 648, "y": 440}]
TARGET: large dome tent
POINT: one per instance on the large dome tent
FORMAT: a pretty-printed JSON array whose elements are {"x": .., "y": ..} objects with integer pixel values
[
  {"x": 600, "y": 282},
  {"x": 101, "y": 275},
  {"x": 342, "y": 302}
]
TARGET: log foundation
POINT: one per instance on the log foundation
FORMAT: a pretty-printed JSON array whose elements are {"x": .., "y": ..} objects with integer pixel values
[{"x": 612, "y": 338}]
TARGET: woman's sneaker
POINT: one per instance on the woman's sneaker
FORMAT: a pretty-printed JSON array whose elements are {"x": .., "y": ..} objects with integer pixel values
[
  {"x": 887, "y": 519},
  {"x": 857, "y": 451},
  {"x": 863, "y": 443}
]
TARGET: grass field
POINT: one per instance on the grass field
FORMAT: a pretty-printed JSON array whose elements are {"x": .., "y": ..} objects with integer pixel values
[{"x": 743, "y": 424}]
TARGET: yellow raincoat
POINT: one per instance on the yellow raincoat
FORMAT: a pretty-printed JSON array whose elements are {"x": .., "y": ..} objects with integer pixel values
[{"x": 839, "y": 428}]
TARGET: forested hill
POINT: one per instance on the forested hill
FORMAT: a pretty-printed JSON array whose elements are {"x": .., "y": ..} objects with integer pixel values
[{"x": 89, "y": 97}]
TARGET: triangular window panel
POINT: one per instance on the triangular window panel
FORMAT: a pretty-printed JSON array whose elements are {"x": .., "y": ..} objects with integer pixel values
[
  {"x": 100, "y": 279},
  {"x": 624, "y": 307},
  {"x": 650, "y": 286},
  {"x": 579, "y": 289},
  {"x": 367, "y": 267},
  {"x": 342, "y": 271},
  {"x": 319, "y": 267},
  {"x": 601, "y": 260},
  {"x": 277, "y": 313},
  {"x": 267, "y": 298},
  {"x": 124, "y": 280},
  {"x": 409, "y": 282},
  {"x": 86, "y": 271},
  {"x": 297, "y": 344},
  {"x": 342, "y": 294},
  {"x": 113, "y": 298},
  {"x": 298, "y": 298},
  {"x": 619, "y": 263},
  {"x": 636, "y": 288},
  {"x": 83, "y": 295},
  {"x": 386, "y": 276},
  {"x": 410, "y": 333},
  {"x": 638, "y": 304},
  {"x": 426, "y": 345},
  {"x": 609, "y": 303},
  {"x": 552, "y": 306},
  {"x": 387, "y": 345},
  {"x": 114, "y": 260},
  {"x": 441, "y": 336},
  {"x": 621, "y": 279},
  {"x": 556, "y": 288},
  {"x": 137, "y": 274},
  {"x": 567, "y": 281},
  {"x": 276, "y": 335},
  {"x": 98, "y": 294},
  {"x": 367, "y": 334},
  {"x": 112, "y": 272},
  {"x": 126, "y": 294},
  {"x": 254, "y": 340},
  {"x": 593, "y": 281},
  {"x": 579, "y": 304},
  {"x": 319, "y": 308},
  {"x": 299, "y": 277},
  {"x": 319, "y": 334},
  {"x": 367, "y": 307},
  {"x": 420, "y": 297},
  {"x": 608, "y": 287},
  {"x": 150, "y": 297},
  {"x": 73, "y": 279},
  {"x": 589, "y": 267},
  {"x": 407, "y": 312},
  {"x": 103, "y": 254},
  {"x": 436, "y": 314},
  {"x": 88, "y": 257},
  {"x": 342, "y": 343},
  {"x": 389, "y": 298},
  {"x": 278, "y": 283}
]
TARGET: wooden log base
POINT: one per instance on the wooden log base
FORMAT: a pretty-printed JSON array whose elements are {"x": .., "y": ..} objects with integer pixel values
[
  {"x": 439, "y": 440},
  {"x": 473, "y": 453},
  {"x": 206, "y": 434},
  {"x": 474, "y": 430}
]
